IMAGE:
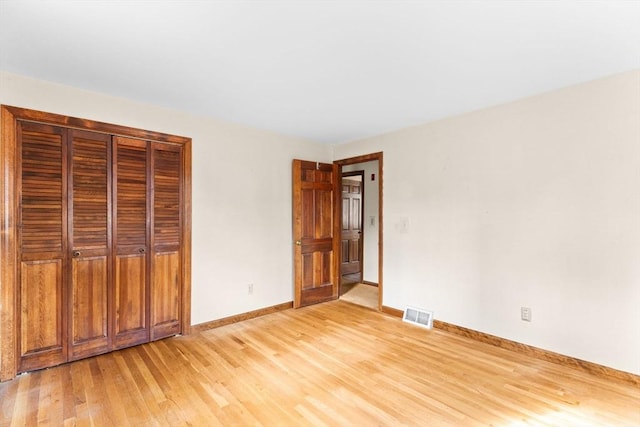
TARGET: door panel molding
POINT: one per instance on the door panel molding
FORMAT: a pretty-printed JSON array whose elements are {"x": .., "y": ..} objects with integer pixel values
[
  {"x": 88, "y": 321},
  {"x": 41, "y": 342}
]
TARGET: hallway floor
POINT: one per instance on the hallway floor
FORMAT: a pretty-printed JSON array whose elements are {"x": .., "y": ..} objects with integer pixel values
[{"x": 361, "y": 294}]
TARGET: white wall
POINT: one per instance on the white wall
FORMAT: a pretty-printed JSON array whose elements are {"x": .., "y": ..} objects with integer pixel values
[
  {"x": 241, "y": 193},
  {"x": 370, "y": 232},
  {"x": 535, "y": 203}
]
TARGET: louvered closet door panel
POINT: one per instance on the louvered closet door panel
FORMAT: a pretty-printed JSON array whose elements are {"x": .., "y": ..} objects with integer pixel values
[
  {"x": 89, "y": 237},
  {"x": 166, "y": 239},
  {"x": 42, "y": 243},
  {"x": 131, "y": 289}
]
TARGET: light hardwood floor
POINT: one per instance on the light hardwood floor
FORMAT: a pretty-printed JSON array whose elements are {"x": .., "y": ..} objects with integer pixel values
[{"x": 334, "y": 364}]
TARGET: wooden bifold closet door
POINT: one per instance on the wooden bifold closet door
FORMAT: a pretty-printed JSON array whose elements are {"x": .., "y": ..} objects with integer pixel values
[
  {"x": 42, "y": 244},
  {"x": 131, "y": 288},
  {"x": 89, "y": 237},
  {"x": 101, "y": 246},
  {"x": 166, "y": 240}
]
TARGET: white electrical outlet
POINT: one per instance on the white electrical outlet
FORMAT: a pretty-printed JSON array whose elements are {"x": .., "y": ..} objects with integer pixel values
[
  {"x": 250, "y": 288},
  {"x": 525, "y": 314}
]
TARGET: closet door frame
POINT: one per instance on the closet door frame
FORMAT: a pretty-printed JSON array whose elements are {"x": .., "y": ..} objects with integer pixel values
[{"x": 9, "y": 289}]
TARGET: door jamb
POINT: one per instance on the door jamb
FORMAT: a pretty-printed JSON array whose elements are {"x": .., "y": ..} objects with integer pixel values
[{"x": 363, "y": 159}]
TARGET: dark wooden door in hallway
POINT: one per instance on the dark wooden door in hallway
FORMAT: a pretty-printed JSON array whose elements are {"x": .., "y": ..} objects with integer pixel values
[{"x": 351, "y": 236}]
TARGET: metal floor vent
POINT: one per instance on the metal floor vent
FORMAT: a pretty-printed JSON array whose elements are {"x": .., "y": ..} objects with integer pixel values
[{"x": 419, "y": 317}]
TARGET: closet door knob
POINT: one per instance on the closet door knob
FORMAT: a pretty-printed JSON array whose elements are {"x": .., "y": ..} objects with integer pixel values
[
  {"x": 142, "y": 250},
  {"x": 76, "y": 254}
]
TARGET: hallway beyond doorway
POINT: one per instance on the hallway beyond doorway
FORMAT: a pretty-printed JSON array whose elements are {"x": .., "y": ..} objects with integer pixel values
[{"x": 360, "y": 293}]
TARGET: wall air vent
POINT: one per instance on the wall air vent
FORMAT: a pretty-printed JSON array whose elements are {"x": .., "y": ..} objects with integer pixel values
[{"x": 419, "y": 317}]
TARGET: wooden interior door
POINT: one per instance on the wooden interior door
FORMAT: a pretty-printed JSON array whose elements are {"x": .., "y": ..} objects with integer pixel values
[
  {"x": 130, "y": 240},
  {"x": 315, "y": 233},
  {"x": 166, "y": 240},
  {"x": 42, "y": 243},
  {"x": 351, "y": 236},
  {"x": 89, "y": 215}
]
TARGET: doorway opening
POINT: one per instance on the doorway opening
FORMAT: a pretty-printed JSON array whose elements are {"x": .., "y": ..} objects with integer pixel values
[{"x": 360, "y": 249}]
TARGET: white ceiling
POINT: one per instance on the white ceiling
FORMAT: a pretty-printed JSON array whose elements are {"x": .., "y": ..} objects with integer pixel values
[{"x": 329, "y": 71}]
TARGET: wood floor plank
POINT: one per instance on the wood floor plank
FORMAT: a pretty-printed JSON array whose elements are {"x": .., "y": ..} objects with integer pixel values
[{"x": 334, "y": 364}]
